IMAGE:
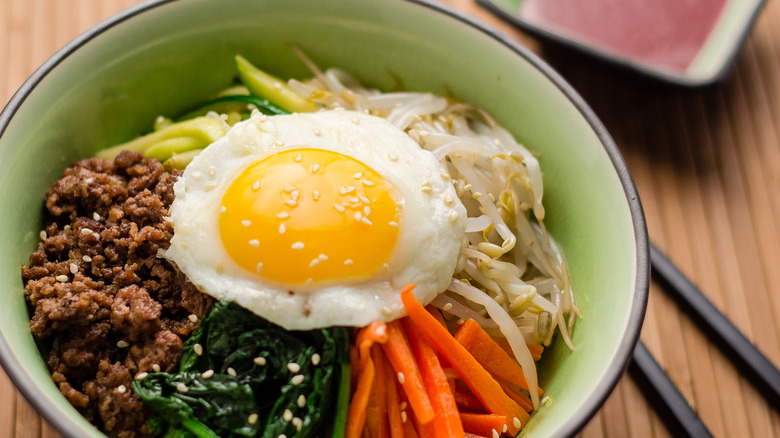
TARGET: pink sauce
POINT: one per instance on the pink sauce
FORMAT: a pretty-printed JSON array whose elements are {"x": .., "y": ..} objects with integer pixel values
[{"x": 663, "y": 33}]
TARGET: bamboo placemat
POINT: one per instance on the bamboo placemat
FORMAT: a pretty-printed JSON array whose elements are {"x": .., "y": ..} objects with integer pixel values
[{"x": 707, "y": 166}]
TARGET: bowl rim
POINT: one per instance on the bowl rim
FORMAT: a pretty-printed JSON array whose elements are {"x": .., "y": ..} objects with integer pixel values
[{"x": 27, "y": 387}]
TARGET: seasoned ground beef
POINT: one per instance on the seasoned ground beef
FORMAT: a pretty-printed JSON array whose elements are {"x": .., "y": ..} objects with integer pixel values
[{"x": 104, "y": 303}]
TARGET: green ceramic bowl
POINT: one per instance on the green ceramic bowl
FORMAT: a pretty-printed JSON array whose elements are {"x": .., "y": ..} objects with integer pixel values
[{"x": 163, "y": 56}]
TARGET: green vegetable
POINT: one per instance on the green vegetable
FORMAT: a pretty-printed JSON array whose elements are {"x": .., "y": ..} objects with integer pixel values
[
  {"x": 231, "y": 339},
  {"x": 241, "y": 104},
  {"x": 274, "y": 89}
]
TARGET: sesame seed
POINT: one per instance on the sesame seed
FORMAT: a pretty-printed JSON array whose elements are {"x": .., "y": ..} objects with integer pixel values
[
  {"x": 385, "y": 266},
  {"x": 252, "y": 419},
  {"x": 495, "y": 433},
  {"x": 425, "y": 189},
  {"x": 366, "y": 221},
  {"x": 368, "y": 183},
  {"x": 259, "y": 360},
  {"x": 222, "y": 209},
  {"x": 298, "y": 158},
  {"x": 315, "y": 167},
  {"x": 259, "y": 267},
  {"x": 291, "y": 203},
  {"x": 322, "y": 257},
  {"x": 297, "y": 246},
  {"x": 181, "y": 388},
  {"x": 315, "y": 195},
  {"x": 256, "y": 186},
  {"x": 298, "y": 423},
  {"x": 295, "y": 195},
  {"x": 282, "y": 228},
  {"x": 454, "y": 215},
  {"x": 315, "y": 359},
  {"x": 403, "y": 417},
  {"x": 66, "y": 228},
  {"x": 297, "y": 379},
  {"x": 364, "y": 200},
  {"x": 447, "y": 307},
  {"x": 355, "y": 120},
  {"x": 516, "y": 422},
  {"x": 246, "y": 222},
  {"x": 73, "y": 268},
  {"x": 95, "y": 216},
  {"x": 141, "y": 376},
  {"x": 358, "y": 175},
  {"x": 122, "y": 344},
  {"x": 445, "y": 176},
  {"x": 545, "y": 399},
  {"x": 393, "y": 224},
  {"x": 193, "y": 317},
  {"x": 404, "y": 405},
  {"x": 254, "y": 243},
  {"x": 287, "y": 415},
  {"x": 309, "y": 282},
  {"x": 354, "y": 199},
  {"x": 504, "y": 429},
  {"x": 209, "y": 186},
  {"x": 121, "y": 389},
  {"x": 61, "y": 278},
  {"x": 86, "y": 231},
  {"x": 86, "y": 258},
  {"x": 358, "y": 216},
  {"x": 207, "y": 374},
  {"x": 196, "y": 175},
  {"x": 461, "y": 321},
  {"x": 401, "y": 378},
  {"x": 343, "y": 191},
  {"x": 231, "y": 372},
  {"x": 348, "y": 262},
  {"x": 289, "y": 189},
  {"x": 156, "y": 368},
  {"x": 392, "y": 157},
  {"x": 282, "y": 436},
  {"x": 198, "y": 349},
  {"x": 448, "y": 199},
  {"x": 293, "y": 367},
  {"x": 476, "y": 195},
  {"x": 314, "y": 263},
  {"x": 301, "y": 402},
  {"x": 283, "y": 215},
  {"x": 386, "y": 311},
  {"x": 339, "y": 208}
]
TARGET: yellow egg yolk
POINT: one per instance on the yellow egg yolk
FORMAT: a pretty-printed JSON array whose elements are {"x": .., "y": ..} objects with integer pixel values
[{"x": 309, "y": 215}]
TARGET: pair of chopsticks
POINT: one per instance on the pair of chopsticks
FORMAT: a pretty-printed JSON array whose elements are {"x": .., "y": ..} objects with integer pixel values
[{"x": 655, "y": 383}]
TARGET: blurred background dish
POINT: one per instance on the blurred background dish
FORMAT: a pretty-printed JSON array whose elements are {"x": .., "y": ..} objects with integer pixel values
[{"x": 689, "y": 43}]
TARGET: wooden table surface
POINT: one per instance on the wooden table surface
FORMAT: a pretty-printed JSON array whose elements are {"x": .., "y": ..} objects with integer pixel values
[{"x": 707, "y": 167}]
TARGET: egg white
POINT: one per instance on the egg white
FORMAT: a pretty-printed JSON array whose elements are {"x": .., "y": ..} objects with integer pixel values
[{"x": 426, "y": 250}]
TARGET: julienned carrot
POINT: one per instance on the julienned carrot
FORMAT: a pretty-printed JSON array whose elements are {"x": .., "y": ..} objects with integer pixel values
[
  {"x": 376, "y": 332},
  {"x": 394, "y": 418},
  {"x": 519, "y": 397},
  {"x": 489, "y": 354},
  {"x": 447, "y": 419},
  {"x": 439, "y": 317},
  {"x": 400, "y": 356},
  {"x": 471, "y": 435},
  {"x": 376, "y": 411},
  {"x": 535, "y": 349},
  {"x": 483, "y": 424},
  {"x": 357, "y": 408},
  {"x": 481, "y": 383}
]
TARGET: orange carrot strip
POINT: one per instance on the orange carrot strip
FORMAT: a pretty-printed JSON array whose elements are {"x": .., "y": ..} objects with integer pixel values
[
  {"x": 515, "y": 394},
  {"x": 439, "y": 317},
  {"x": 489, "y": 354},
  {"x": 471, "y": 435},
  {"x": 394, "y": 419},
  {"x": 376, "y": 332},
  {"x": 400, "y": 356},
  {"x": 483, "y": 424},
  {"x": 376, "y": 411},
  {"x": 481, "y": 383},
  {"x": 447, "y": 419},
  {"x": 357, "y": 408}
]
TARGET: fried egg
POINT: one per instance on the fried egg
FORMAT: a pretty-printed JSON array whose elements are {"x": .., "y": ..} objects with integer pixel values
[{"x": 316, "y": 219}]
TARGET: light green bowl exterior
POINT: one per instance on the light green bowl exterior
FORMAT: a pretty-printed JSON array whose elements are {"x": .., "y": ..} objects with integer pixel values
[{"x": 162, "y": 57}]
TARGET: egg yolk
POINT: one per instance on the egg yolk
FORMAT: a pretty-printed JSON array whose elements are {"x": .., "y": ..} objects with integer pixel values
[{"x": 308, "y": 215}]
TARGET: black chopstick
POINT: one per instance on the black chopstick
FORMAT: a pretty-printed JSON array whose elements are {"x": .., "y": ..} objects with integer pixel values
[
  {"x": 761, "y": 372},
  {"x": 671, "y": 406}
]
